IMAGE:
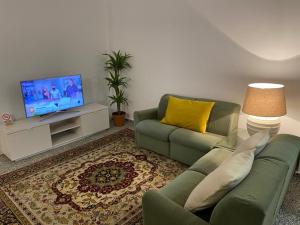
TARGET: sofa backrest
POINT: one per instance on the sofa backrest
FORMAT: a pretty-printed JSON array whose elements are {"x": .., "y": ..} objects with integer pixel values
[
  {"x": 254, "y": 201},
  {"x": 257, "y": 199},
  {"x": 223, "y": 118}
]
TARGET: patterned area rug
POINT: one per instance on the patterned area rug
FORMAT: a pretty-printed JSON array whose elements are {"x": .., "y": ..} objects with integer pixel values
[{"x": 101, "y": 182}]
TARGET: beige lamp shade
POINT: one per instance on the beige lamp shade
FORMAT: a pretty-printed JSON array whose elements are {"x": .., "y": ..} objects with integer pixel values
[{"x": 265, "y": 100}]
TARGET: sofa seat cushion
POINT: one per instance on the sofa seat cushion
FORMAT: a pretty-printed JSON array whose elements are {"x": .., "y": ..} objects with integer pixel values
[
  {"x": 155, "y": 129},
  {"x": 179, "y": 189},
  {"x": 203, "y": 142},
  {"x": 211, "y": 160}
]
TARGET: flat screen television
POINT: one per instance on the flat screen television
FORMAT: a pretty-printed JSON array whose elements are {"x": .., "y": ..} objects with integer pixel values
[{"x": 51, "y": 95}]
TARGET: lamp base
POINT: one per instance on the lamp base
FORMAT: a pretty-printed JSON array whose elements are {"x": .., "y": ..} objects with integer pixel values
[{"x": 256, "y": 124}]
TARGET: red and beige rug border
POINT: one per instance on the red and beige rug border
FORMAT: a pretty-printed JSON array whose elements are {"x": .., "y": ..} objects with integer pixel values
[{"x": 13, "y": 208}]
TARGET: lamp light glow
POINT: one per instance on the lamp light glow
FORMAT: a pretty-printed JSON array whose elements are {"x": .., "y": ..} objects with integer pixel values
[{"x": 266, "y": 85}]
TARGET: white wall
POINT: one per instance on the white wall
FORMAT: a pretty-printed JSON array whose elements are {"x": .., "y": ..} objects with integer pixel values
[
  {"x": 40, "y": 38},
  {"x": 209, "y": 48},
  {"x": 206, "y": 48}
]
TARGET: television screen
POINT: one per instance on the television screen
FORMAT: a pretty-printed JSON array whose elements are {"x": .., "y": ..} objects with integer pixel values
[{"x": 51, "y": 94}]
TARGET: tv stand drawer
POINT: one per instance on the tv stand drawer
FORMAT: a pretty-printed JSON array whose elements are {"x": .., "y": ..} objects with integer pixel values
[
  {"x": 27, "y": 142},
  {"x": 94, "y": 122}
]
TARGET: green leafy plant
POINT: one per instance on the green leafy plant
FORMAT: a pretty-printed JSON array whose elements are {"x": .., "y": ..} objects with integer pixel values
[{"x": 115, "y": 65}]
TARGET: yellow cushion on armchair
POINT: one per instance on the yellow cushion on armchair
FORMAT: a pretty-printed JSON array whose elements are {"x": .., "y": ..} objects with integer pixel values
[{"x": 189, "y": 114}]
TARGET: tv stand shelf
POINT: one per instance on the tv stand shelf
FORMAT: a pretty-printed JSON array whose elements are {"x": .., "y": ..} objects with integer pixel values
[
  {"x": 30, "y": 136},
  {"x": 64, "y": 125},
  {"x": 64, "y": 137}
]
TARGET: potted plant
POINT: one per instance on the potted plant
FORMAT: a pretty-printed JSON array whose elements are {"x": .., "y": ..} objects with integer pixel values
[{"x": 115, "y": 65}]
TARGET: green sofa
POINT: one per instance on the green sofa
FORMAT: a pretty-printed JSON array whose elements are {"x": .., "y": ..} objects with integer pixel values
[
  {"x": 181, "y": 144},
  {"x": 255, "y": 201}
]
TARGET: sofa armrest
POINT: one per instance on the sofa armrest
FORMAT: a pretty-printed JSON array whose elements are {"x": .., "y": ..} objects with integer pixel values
[
  {"x": 159, "y": 210},
  {"x": 211, "y": 160},
  {"x": 144, "y": 115},
  {"x": 229, "y": 141}
]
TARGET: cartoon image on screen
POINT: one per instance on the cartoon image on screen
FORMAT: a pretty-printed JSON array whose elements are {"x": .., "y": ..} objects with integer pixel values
[{"x": 51, "y": 95}]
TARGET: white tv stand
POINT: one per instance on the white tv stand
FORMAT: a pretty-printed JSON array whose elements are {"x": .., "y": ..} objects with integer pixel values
[{"x": 30, "y": 136}]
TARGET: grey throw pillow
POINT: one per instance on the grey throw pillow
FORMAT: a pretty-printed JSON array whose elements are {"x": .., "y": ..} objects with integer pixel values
[
  {"x": 256, "y": 142},
  {"x": 220, "y": 181}
]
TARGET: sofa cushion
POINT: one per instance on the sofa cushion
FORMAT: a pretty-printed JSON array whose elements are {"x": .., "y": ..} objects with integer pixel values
[
  {"x": 255, "y": 143},
  {"x": 283, "y": 147},
  {"x": 179, "y": 189},
  {"x": 223, "y": 118},
  {"x": 203, "y": 142},
  {"x": 155, "y": 129},
  {"x": 211, "y": 160},
  {"x": 189, "y": 114}
]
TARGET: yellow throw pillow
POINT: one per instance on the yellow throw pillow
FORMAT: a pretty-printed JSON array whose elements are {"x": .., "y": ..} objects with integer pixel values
[{"x": 189, "y": 114}]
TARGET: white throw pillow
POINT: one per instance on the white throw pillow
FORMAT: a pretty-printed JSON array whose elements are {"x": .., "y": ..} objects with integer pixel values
[
  {"x": 220, "y": 181},
  {"x": 255, "y": 143}
]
